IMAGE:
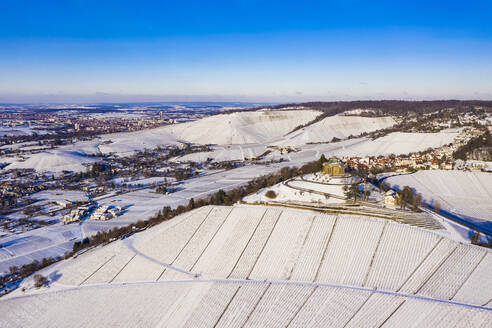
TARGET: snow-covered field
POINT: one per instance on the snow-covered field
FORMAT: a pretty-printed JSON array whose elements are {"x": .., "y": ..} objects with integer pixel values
[
  {"x": 243, "y": 127},
  {"x": 224, "y": 129},
  {"x": 219, "y": 304},
  {"x": 287, "y": 193},
  {"x": 257, "y": 266},
  {"x": 226, "y": 153},
  {"x": 142, "y": 182},
  {"x": 125, "y": 143},
  {"x": 54, "y": 161},
  {"x": 59, "y": 195},
  {"x": 51, "y": 241},
  {"x": 404, "y": 143},
  {"x": 338, "y": 126},
  {"x": 463, "y": 193},
  {"x": 20, "y": 131},
  {"x": 394, "y": 143}
]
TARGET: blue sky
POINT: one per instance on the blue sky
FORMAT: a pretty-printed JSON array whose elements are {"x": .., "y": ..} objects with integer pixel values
[{"x": 244, "y": 50}]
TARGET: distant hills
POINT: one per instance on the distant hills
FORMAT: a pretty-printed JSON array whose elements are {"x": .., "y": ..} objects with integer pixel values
[{"x": 390, "y": 106}]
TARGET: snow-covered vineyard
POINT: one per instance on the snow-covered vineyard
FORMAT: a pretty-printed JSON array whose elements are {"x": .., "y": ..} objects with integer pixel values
[
  {"x": 235, "y": 304},
  {"x": 256, "y": 266},
  {"x": 465, "y": 193}
]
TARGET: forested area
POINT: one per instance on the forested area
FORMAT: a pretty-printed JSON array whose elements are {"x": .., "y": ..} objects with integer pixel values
[
  {"x": 391, "y": 106},
  {"x": 482, "y": 141}
]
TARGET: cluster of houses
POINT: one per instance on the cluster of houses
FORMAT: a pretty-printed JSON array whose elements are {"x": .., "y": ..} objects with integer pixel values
[
  {"x": 399, "y": 164},
  {"x": 436, "y": 159},
  {"x": 101, "y": 213},
  {"x": 105, "y": 212},
  {"x": 64, "y": 203},
  {"x": 285, "y": 149},
  {"x": 77, "y": 214},
  {"x": 429, "y": 161},
  {"x": 12, "y": 188}
]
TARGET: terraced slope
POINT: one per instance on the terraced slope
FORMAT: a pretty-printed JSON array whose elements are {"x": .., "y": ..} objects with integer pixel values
[
  {"x": 338, "y": 126},
  {"x": 242, "y": 127},
  {"x": 464, "y": 193},
  {"x": 253, "y": 266}
]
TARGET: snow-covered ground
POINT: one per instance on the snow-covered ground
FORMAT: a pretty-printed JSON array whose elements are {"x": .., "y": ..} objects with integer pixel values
[
  {"x": 142, "y": 182},
  {"x": 394, "y": 143},
  {"x": 298, "y": 191},
  {"x": 54, "y": 161},
  {"x": 286, "y": 194},
  {"x": 20, "y": 131},
  {"x": 125, "y": 143},
  {"x": 59, "y": 195},
  {"x": 243, "y": 127},
  {"x": 338, "y": 126},
  {"x": 257, "y": 266},
  {"x": 226, "y": 153},
  {"x": 246, "y": 135},
  {"x": 139, "y": 205},
  {"x": 50, "y": 241},
  {"x": 464, "y": 193}
]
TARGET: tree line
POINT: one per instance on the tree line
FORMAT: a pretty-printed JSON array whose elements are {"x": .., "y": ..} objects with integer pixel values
[
  {"x": 484, "y": 140},
  {"x": 221, "y": 197},
  {"x": 390, "y": 106}
]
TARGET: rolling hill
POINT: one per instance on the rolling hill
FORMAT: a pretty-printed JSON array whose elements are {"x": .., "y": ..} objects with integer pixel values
[
  {"x": 338, "y": 126},
  {"x": 242, "y": 127}
]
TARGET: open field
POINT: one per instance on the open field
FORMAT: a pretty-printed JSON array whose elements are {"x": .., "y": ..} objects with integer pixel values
[
  {"x": 54, "y": 161},
  {"x": 226, "y": 153}
]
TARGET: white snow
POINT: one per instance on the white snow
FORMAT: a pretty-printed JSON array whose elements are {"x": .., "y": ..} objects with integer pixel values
[
  {"x": 243, "y": 127},
  {"x": 465, "y": 193},
  {"x": 54, "y": 161},
  {"x": 338, "y": 126},
  {"x": 226, "y": 153},
  {"x": 178, "y": 275}
]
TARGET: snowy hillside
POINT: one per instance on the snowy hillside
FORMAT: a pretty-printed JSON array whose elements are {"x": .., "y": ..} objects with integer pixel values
[
  {"x": 393, "y": 143},
  {"x": 243, "y": 127},
  {"x": 465, "y": 193},
  {"x": 404, "y": 143},
  {"x": 54, "y": 161},
  {"x": 338, "y": 126},
  {"x": 226, "y": 153},
  {"x": 125, "y": 143},
  {"x": 264, "y": 267}
]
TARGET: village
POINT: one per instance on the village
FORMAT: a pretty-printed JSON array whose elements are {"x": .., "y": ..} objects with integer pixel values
[{"x": 441, "y": 158}]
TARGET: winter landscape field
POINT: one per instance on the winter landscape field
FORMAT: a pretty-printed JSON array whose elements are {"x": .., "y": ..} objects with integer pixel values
[
  {"x": 237, "y": 266},
  {"x": 302, "y": 234},
  {"x": 266, "y": 164}
]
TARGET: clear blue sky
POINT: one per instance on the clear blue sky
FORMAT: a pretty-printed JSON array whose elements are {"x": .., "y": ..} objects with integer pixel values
[{"x": 251, "y": 50}]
